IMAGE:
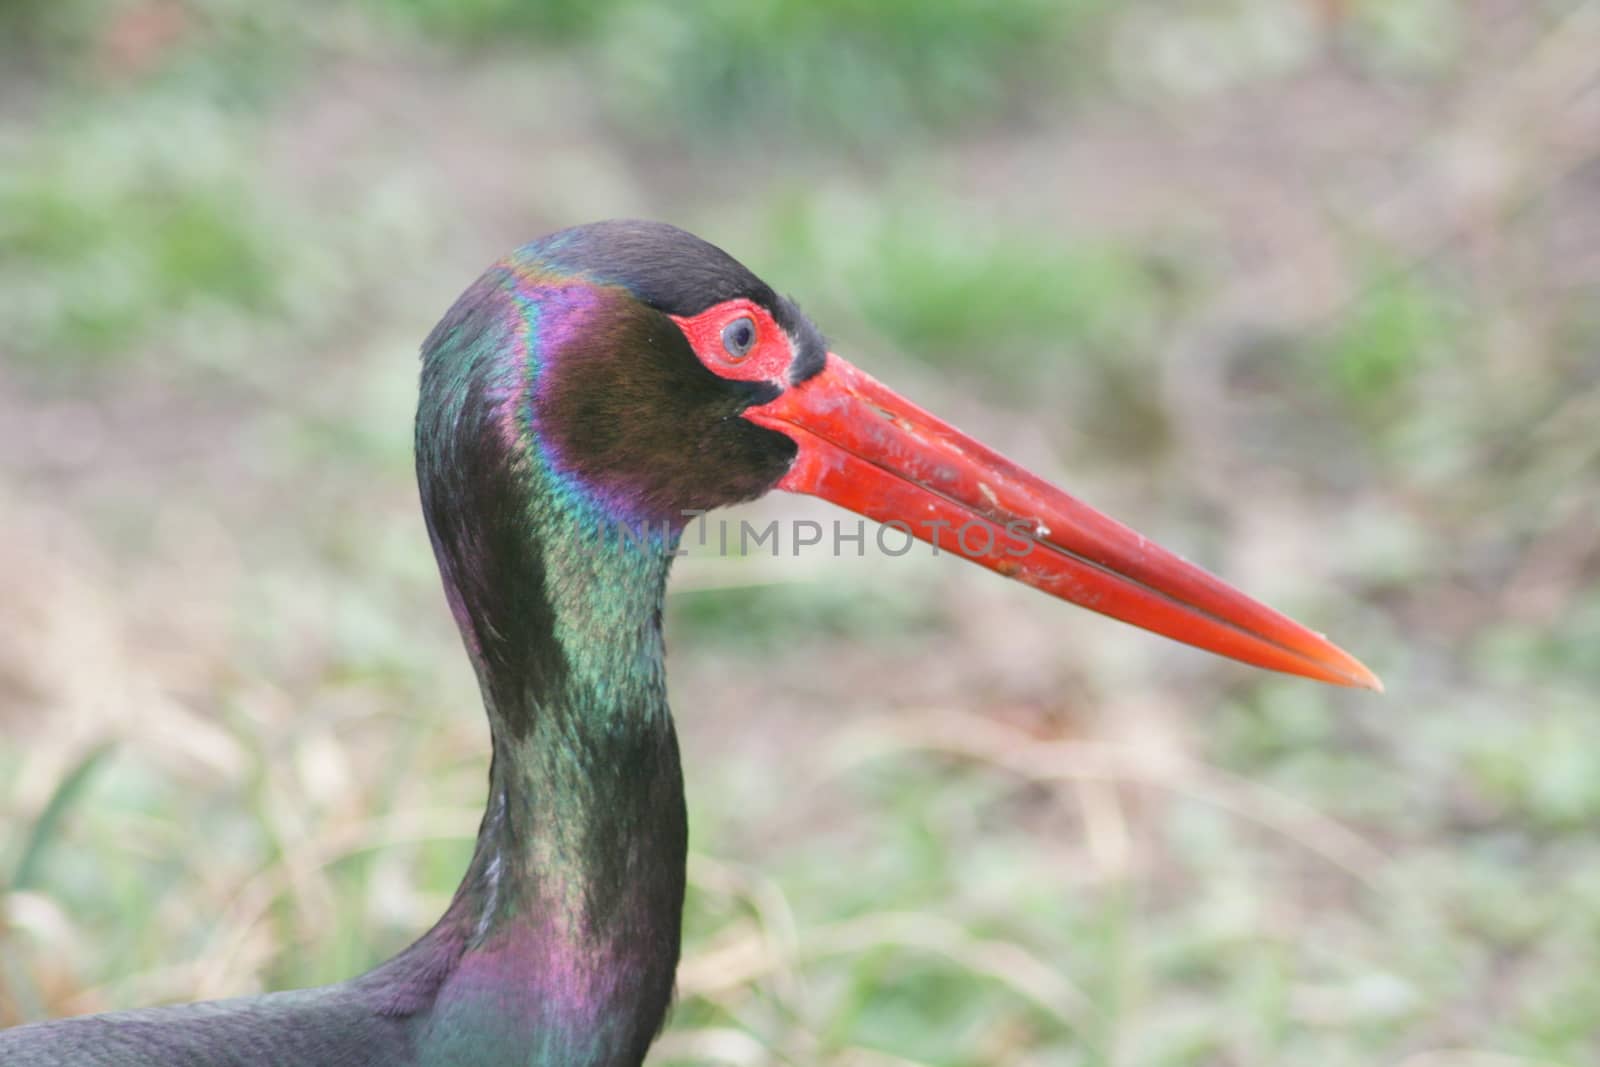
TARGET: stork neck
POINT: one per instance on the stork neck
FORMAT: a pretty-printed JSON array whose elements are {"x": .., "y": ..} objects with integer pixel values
[
  {"x": 585, "y": 807},
  {"x": 571, "y": 910},
  {"x": 561, "y": 944}
]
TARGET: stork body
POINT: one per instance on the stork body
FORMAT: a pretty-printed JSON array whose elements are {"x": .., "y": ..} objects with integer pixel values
[{"x": 578, "y": 403}]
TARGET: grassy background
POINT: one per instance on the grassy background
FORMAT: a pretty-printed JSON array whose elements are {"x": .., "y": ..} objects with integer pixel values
[{"x": 1305, "y": 290}]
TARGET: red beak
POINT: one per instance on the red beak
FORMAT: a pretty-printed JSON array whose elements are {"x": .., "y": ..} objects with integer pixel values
[{"x": 866, "y": 449}]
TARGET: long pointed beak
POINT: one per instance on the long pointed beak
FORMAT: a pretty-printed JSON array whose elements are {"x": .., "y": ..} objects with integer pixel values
[{"x": 869, "y": 450}]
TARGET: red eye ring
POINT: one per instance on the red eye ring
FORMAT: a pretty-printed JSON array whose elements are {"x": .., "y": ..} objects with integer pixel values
[{"x": 718, "y": 337}]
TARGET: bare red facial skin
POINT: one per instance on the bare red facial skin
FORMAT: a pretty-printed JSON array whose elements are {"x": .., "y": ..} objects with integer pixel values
[
  {"x": 767, "y": 360},
  {"x": 867, "y": 449}
]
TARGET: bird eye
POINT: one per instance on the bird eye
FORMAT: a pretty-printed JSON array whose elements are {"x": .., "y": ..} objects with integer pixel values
[{"x": 738, "y": 337}]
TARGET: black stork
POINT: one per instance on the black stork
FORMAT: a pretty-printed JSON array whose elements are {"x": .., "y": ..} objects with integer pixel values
[{"x": 579, "y": 402}]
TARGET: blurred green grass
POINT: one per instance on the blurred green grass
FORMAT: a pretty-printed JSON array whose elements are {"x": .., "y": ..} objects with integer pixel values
[{"x": 1305, "y": 289}]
